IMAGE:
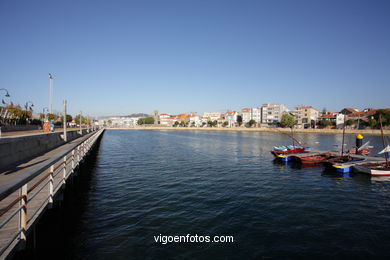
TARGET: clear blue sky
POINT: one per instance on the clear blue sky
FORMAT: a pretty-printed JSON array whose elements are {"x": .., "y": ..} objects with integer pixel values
[{"x": 122, "y": 57}]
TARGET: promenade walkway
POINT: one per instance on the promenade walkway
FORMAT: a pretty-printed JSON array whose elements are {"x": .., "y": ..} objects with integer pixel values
[{"x": 29, "y": 188}]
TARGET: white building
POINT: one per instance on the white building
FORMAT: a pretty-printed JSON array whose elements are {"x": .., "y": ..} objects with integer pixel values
[
  {"x": 272, "y": 113},
  {"x": 251, "y": 114},
  {"x": 256, "y": 114},
  {"x": 231, "y": 118},
  {"x": 124, "y": 122},
  {"x": 194, "y": 120},
  {"x": 212, "y": 115},
  {"x": 165, "y": 119},
  {"x": 246, "y": 115}
]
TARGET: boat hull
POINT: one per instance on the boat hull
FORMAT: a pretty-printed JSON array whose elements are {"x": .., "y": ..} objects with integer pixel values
[{"x": 373, "y": 170}]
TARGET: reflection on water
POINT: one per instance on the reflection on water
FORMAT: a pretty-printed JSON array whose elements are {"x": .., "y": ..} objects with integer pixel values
[{"x": 148, "y": 183}]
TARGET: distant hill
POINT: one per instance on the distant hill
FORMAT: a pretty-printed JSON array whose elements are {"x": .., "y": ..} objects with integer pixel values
[
  {"x": 132, "y": 115},
  {"x": 138, "y": 115}
]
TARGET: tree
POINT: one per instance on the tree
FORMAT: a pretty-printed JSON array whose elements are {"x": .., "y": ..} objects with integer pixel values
[
  {"x": 385, "y": 116},
  {"x": 203, "y": 124},
  {"x": 193, "y": 124},
  {"x": 52, "y": 117},
  {"x": 350, "y": 122},
  {"x": 146, "y": 120},
  {"x": 84, "y": 120},
  {"x": 324, "y": 123},
  {"x": 251, "y": 123},
  {"x": 210, "y": 123},
  {"x": 41, "y": 116},
  {"x": 225, "y": 123},
  {"x": 372, "y": 123},
  {"x": 109, "y": 121},
  {"x": 16, "y": 111},
  {"x": 288, "y": 120},
  {"x": 214, "y": 123},
  {"x": 68, "y": 118},
  {"x": 176, "y": 123},
  {"x": 312, "y": 123}
]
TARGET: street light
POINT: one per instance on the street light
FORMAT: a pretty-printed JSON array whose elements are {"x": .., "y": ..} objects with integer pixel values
[
  {"x": 50, "y": 92},
  {"x": 27, "y": 106},
  {"x": 43, "y": 112},
  {"x": 6, "y": 95}
]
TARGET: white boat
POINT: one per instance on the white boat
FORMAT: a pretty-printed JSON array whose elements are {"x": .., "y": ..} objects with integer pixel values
[
  {"x": 379, "y": 168},
  {"x": 373, "y": 169}
]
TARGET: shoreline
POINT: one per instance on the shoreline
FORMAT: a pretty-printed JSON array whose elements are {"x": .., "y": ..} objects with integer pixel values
[{"x": 270, "y": 130}]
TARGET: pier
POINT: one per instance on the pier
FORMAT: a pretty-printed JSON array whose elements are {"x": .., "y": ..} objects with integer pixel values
[{"x": 29, "y": 189}]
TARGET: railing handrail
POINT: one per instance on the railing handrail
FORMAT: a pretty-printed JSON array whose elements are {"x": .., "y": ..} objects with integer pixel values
[
  {"x": 17, "y": 182},
  {"x": 24, "y": 198}
]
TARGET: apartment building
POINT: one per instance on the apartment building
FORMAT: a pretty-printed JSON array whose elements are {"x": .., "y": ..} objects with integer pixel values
[
  {"x": 272, "y": 113},
  {"x": 251, "y": 114},
  {"x": 305, "y": 115},
  {"x": 212, "y": 115}
]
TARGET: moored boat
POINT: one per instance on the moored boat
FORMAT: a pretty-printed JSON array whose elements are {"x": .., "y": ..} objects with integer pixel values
[
  {"x": 373, "y": 169},
  {"x": 341, "y": 163},
  {"x": 380, "y": 168},
  {"x": 311, "y": 159}
]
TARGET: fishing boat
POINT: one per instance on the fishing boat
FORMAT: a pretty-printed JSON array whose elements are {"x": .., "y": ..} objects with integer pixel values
[
  {"x": 282, "y": 151},
  {"x": 341, "y": 163},
  {"x": 379, "y": 168},
  {"x": 311, "y": 159},
  {"x": 373, "y": 169}
]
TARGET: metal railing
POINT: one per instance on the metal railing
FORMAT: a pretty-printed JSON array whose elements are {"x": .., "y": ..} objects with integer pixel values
[{"x": 27, "y": 201}]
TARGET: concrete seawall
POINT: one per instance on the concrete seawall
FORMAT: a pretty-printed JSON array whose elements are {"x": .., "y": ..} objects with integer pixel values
[{"x": 14, "y": 150}]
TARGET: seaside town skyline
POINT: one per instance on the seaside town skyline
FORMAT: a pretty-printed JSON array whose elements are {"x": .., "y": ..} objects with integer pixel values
[{"x": 182, "y": 56}]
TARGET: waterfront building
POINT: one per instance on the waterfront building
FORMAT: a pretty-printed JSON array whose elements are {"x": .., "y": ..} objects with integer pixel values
[
  {"x": 231, "y": 118},
  {"x": 256, "y": 114},
  {"x": 246, "y": 115},
  {"x": 123, "y": 122},
  {"x": 348, "y": 110},
  {"x": 271, "y": 114},
  {"x": 194, "y": 120},
  {"x": 212, "y": 115},
  {"x": 306, "y": 116},
  {"x": 165, "y": 120},
  {"x": 251, "y": 114}
]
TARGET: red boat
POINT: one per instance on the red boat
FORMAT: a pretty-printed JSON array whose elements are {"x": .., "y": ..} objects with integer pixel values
[
  {"x": 278, "y": 153},
  {"x": 312, "y": 158}
]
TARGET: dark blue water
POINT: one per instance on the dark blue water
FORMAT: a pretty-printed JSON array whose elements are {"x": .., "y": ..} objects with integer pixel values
[{"x": 147, "y": 183}]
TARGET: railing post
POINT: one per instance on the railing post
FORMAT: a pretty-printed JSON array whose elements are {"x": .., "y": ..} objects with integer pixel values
[
  {"x": 51, "y": 187},
  {"x": 23, "y": 213},
  {"x": 78, "y": 155},
  {"x": 64, "y": 173},
  {"x": 72, "y": 160}
]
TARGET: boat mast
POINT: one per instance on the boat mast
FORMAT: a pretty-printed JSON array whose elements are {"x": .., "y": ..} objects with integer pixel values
[
  {"x": 383, "y": 141},
  {"x": 342, "y": 143},
  {"x": 292, "y": 137}
]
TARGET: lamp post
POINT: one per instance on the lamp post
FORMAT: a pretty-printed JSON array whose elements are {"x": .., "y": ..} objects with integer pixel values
[
  {"x": 43, "y": 112},
  {"x": 6, "y": 95},
  {"x": 27, "y": 106},
  {"x": 80, "y": 119},
  {"x": 50, "y": 93}
]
